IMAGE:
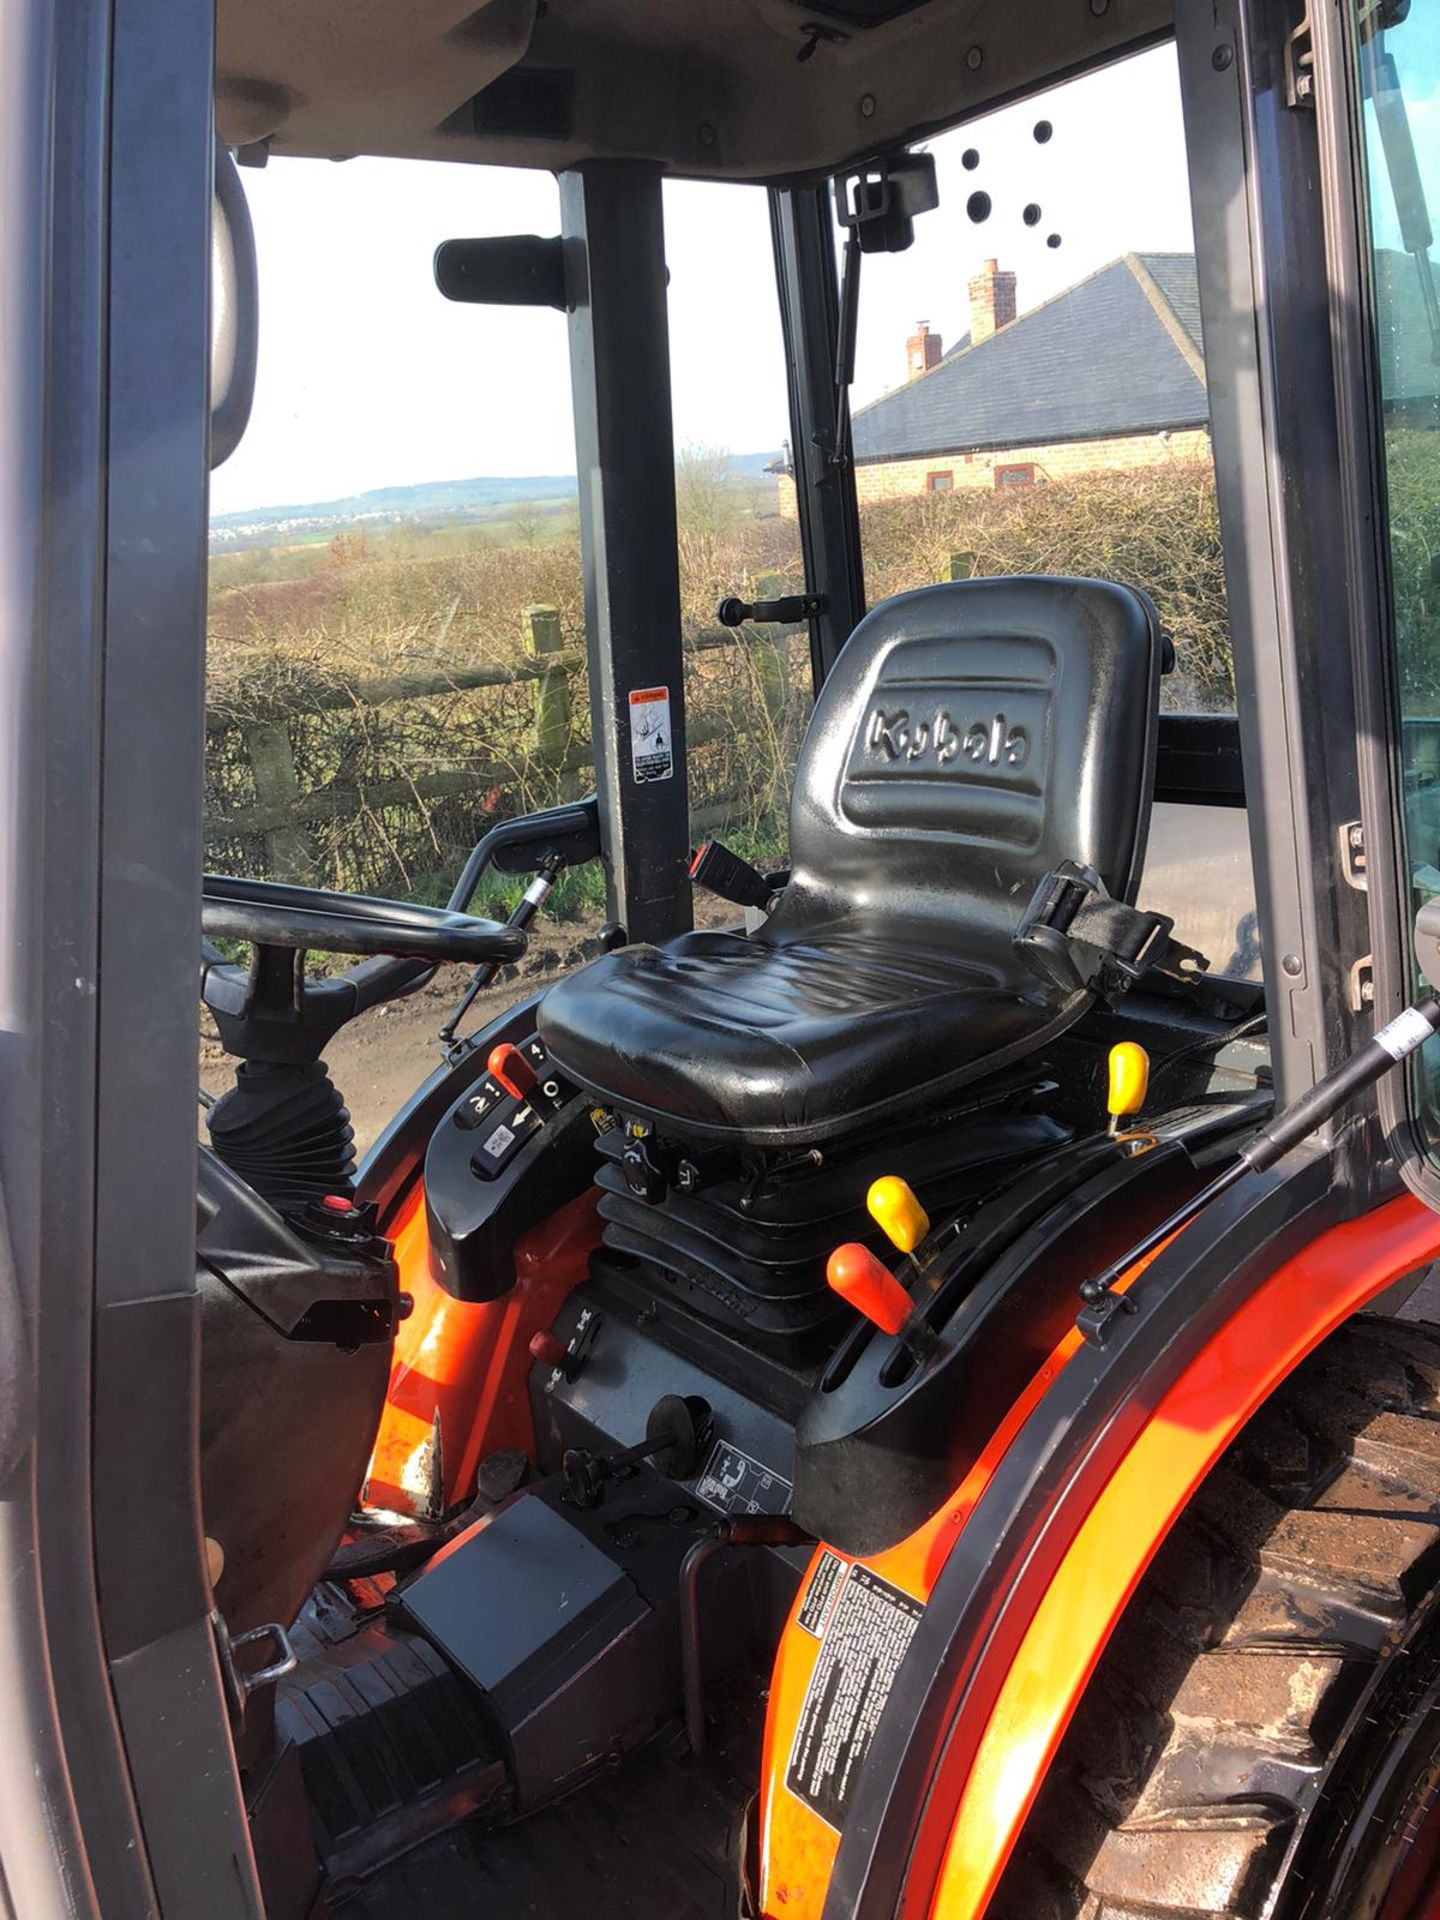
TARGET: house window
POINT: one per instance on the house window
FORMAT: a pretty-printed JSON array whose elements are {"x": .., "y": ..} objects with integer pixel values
[
  {"x": 939, "y": 482},
  {"x": 1016, "y": 476}
]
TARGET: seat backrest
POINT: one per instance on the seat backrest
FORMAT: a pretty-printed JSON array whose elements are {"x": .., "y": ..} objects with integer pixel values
[{"x": 969, "y": 739}]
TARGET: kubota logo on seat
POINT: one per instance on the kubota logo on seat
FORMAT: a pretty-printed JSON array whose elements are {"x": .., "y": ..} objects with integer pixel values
[
  {"x": 966, "y": 752},
  {"x": 935, "y": 736}
]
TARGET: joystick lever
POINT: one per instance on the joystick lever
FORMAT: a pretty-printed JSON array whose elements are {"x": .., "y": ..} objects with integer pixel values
[{"x": 855, "y": 1273}]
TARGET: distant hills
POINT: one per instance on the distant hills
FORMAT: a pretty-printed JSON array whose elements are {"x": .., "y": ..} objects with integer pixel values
[{"x": 428, "y": 503}]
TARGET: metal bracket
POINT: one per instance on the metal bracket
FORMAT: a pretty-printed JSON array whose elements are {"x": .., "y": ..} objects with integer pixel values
[
  {"x": 1300, "y": 66},
  {"x": 1352, "y": 855},
  {"x": 1094, "y": 1318},
  {"x": 239, "y": 1686},
  {"x": 1362, "y": 985}
]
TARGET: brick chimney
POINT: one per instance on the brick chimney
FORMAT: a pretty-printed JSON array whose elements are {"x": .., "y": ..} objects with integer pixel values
[
  {"x": 992, "y": 302},
  {"x": 922, "y": 350}
]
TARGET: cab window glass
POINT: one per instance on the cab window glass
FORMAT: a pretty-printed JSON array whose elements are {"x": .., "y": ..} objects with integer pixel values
[
  {"x": 1030, "y": 397},
  {"x": 1400, "y": 85},
  {"x": 748, "y": 687},
  {"x": 403, "y": 499},
  {"x": 396, "y": 642}
]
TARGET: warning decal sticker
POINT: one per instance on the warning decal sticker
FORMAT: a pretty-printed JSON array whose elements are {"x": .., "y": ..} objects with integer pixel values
[
  {"x": 860, "y": 1653},
  {"x": 824, "y": 1583},
  {"x": 735, "y": 1482},
  {"x": 651, "y": 753}
]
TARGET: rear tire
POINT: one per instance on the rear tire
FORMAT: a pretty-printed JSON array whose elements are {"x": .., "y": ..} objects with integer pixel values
[{"x": 1261, "y": 1740}]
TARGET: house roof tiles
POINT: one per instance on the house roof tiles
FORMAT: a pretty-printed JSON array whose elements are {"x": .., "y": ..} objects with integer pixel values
[{"x": 1118, "y": 353}]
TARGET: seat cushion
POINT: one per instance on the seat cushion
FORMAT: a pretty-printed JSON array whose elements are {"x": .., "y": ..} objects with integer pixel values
[{"x": 719, "y": 1037}]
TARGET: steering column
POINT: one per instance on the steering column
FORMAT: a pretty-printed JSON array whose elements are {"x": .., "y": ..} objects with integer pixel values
[{"x": 283, "y": 1126}]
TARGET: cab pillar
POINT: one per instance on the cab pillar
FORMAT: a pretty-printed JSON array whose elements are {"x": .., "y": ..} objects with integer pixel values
[{"x": 614, "y": 247}]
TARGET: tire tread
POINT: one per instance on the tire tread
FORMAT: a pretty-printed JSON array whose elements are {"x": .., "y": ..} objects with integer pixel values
[{"x": 1203, "y": 1742}]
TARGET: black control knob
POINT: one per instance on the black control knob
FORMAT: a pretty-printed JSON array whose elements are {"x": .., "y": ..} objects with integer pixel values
[{"x": 646, "y": 1174}]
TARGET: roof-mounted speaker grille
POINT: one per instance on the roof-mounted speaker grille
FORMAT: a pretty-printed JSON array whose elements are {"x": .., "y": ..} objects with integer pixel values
[{"x": 527, "y": 103}]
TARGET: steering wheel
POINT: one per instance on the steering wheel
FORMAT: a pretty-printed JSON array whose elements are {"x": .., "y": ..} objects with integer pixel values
[
  {"x": 273, "y": 1011},
  {"x": 271, "y": 913}
]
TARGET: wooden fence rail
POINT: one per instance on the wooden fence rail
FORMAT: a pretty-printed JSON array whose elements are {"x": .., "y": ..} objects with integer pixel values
[
  {"x": 282, "y": 810},
  {"x": 331, "y": 696}
]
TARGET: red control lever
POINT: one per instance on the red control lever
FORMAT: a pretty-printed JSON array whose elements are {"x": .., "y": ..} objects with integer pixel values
[
  {"x": 868, "y": 1284},
  {"x": 509, "y": 1066}
]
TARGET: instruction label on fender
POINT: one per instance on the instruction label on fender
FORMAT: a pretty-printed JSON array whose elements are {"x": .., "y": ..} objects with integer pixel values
[
  {"x": 824, "y": 1585},
  {"x": 652, "y": 754},
  {"x": 861, "y": 1647}
]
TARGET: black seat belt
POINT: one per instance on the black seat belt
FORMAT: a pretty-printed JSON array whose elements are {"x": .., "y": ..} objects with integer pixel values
[{"x": 1077, "y": 936}]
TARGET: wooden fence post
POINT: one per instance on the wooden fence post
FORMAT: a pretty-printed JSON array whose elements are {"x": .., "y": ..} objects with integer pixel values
[
  {"x": 554, "y": 717},
  {"x": 289, "y": 851}
]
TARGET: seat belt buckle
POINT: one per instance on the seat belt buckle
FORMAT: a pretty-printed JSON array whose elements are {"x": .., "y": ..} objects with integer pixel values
[
  {"x": 722, "y": 872},
  {"x": 1153, "y": 948}
]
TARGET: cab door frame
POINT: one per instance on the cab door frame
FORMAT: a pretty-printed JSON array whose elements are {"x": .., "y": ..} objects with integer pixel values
[
  {"x": 1261, "y": 255},
  {"x": 1338, "y": 113},
  {"x": 118, "y": 1789}
]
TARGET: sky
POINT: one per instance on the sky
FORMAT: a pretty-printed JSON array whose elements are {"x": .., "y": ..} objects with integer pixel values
[{"x": 368, "y": 378}]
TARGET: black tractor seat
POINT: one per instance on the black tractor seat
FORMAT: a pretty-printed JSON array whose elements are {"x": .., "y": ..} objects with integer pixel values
[{"x": 971, "y": 739}]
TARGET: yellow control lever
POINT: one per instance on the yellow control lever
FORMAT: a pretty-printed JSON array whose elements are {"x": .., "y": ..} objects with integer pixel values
[
  {"x": 897, "y": 1213},
  {"x": 1129, "y": 1081}
]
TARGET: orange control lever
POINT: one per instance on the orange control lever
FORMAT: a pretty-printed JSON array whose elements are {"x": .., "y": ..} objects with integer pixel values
[
  {"x": 870, "y": 1287},
  {"x": 510, "y": 1067}
]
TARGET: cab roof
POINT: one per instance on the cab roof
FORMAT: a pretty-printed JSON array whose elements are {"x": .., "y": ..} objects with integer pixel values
[{"x": 726, "y": 89}]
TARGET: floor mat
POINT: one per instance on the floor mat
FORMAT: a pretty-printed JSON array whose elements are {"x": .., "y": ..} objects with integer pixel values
[{"x": 658, "y": 1834}]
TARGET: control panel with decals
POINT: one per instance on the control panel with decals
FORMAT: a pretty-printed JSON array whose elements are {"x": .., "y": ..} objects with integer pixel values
[
  {"x": 479, "y": 1195},
  {"x": 603, "y": 1367}
]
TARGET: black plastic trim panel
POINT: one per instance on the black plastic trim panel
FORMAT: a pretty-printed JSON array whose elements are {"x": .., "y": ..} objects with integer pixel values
[{"x": 397, "y": 1156}]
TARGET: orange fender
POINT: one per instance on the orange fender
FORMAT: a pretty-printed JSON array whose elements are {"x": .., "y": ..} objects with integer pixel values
[{"x": 798, "y": 1847}]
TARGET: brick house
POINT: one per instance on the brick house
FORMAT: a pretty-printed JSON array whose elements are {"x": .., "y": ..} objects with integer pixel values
[{"x": 1107, "y": 375}]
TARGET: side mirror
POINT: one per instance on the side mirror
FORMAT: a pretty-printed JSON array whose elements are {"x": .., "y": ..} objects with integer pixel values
[{"x": 234, "y": 310}]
